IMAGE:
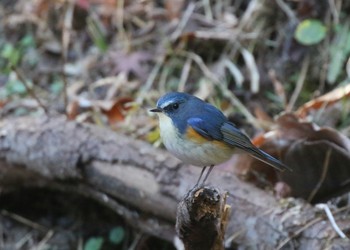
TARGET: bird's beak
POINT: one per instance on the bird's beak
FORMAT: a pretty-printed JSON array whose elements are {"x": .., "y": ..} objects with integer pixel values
[{"x": 157, "y": 110}]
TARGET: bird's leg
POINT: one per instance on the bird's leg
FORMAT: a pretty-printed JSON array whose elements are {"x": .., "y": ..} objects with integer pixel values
[
  {"x": 208, "y": 173},
  {"x": 200, "y": 176}
]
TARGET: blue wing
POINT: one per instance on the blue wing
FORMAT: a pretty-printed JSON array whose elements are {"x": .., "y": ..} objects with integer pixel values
[
  {"x": 234, "y": 137},
  {"x": 208, "y": 130},
  {"x": 208, "y": 122},
  {"x": 227, "y": 132},
  {"x": 211, "y": 124}
]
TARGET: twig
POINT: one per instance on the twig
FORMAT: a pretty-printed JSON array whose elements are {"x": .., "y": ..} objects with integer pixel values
[
  {"x": 24, "y": 221},
  {"x": 202, "y": 66},
  {"x": 250, "y": 15},
  {"x": 163, "y": 77},
  {"x": 207, "y": 10},
  {"x": 184, "y": 74},
  {"x": 323, "y": 175},
  {"x": 43, "y": 242},
  {"x": 331, "y": 219},
  {"x": 334, "y": 11},
  {"x": 307, "y": 225},
  {"x": 223, "y": 88},
  {"x": 67, "y": 26},
  {"x": 253, "y": 70},
  {"x": 149, "y": 82},
  {"x": 136, "y": 241},
  {"x": 235, "y": 72},
  {"x": 297, "y": 232},
  {"x": 278, "y": 86},
  {"x": 19, "y": 244},
  {"x": 120, "y": 23},
  {"x": 29, "y": 89},
  {"x": 300, "y": 83},
  {"x": 285, "y": 8},
  {"x": 186, "y": 16}
]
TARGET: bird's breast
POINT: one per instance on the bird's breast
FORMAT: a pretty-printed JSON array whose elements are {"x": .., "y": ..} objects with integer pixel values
[
  {"x": 170, "y": 135},
  {"x": 191, "y": 147}
]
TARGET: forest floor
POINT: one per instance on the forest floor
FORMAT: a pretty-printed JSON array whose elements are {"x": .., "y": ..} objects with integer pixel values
[{"x": 272, "y": 66}]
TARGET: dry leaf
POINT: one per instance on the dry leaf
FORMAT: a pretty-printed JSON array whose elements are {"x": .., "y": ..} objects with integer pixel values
[
  {"x": 330, "y": 98},
  {"x": 320, "y": 169},
  {"x": 134, "y": 63},
  {"x": 83, "y": 4},
  {"x": 174, "y": 8},
  {"x": 261, "y": 114},
  {"x": 319, "y": 157},
  {"x": 42, "y": 7},
  {"x": 118, "y": 111},
  {"x": 72, "y": 109}
]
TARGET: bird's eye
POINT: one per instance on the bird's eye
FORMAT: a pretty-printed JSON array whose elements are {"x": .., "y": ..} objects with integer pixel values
[{"x": 175, "y": 106}]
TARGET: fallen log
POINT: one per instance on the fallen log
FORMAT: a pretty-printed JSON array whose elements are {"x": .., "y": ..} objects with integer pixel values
[{"x": 145, "y": 184}]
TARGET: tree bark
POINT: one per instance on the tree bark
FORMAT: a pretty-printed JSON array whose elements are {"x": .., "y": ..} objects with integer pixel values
[
  {"x": 130, "y": 175},
  {"x": 202, "y": 216}
]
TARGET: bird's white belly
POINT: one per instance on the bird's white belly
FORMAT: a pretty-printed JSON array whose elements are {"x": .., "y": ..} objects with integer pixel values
[{"x": 190, "y": 152}]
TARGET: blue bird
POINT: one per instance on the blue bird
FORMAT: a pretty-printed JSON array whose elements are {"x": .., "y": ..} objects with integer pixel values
[{"x": 199, "y": 134}]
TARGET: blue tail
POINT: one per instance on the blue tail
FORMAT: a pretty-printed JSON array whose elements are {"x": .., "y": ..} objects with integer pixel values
[{"x": 268, "y": 159}]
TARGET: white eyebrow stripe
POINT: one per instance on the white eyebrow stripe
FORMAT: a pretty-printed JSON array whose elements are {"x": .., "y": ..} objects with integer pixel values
[{"x": 165, "y": 104}]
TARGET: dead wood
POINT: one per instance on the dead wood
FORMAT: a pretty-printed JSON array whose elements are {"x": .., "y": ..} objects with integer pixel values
[
  {"x": 145, "y": 184},
  {"x": 202, "y": 218}
]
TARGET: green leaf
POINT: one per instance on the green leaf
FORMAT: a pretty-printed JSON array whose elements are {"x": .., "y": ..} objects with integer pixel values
[
  {"x": 97, "y": 33},
  {"x": 7, "y": 50},
  {"x": 310, "y": 32},
  {"x": 116, "y": 235},
  {"x": 339, "y": 51},
  {"x": 15, "y": 87},
  {"x": 15, "y": 57},
  {"x": 94, "y": 243},
  {"x": 10, "y": 53},
  {"x": 56, "y": 87},
  {"x": 27, "y": 41}
]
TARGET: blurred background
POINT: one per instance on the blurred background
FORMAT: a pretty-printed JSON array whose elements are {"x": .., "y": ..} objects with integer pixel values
[{"x": 278, "y": 69}]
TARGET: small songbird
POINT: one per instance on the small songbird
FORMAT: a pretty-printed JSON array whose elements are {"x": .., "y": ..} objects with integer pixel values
[{"x": 199, "y": 134}]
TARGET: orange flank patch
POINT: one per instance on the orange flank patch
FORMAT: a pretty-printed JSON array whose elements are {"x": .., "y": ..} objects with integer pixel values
[{"x": 193, "y": 135}]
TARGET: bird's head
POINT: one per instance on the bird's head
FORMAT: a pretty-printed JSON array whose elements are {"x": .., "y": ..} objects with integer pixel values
[{"x": 173, "y": 104}]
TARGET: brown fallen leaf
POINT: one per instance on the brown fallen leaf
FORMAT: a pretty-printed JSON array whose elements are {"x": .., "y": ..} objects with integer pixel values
[
  {"x": 321, "y": 170},
  {"x": 174, "y": 8},
  {"x": 72, "y": 109},
  {"x": 326, "y": 100},
  {"x": 118, "y": 111},
  {"x": 131, "y": 63},
  {"x": 319, "y": 157},
  {"x": 2, "y": 103}
]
